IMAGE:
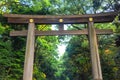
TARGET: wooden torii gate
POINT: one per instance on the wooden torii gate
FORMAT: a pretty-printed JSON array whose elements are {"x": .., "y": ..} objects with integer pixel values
[{"x": 89, "y": 19}]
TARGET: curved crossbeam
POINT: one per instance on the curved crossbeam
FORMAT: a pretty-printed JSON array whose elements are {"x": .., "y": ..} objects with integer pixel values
[{"x": 64, "y": 19}]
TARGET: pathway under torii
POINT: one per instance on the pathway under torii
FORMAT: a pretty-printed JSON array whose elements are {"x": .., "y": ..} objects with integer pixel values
[{"x": 89, "y": 19}]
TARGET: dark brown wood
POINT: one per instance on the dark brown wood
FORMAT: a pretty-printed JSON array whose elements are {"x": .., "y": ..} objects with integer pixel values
[
  {"x": 61, "y": 27},
  {"x": 60, "y": 16},
  {"x": 64, "y": 32},
  {"x": 67, "y": 19}
]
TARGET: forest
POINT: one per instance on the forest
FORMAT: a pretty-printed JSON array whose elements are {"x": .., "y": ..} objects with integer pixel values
[{"x": 75, "y": 63}]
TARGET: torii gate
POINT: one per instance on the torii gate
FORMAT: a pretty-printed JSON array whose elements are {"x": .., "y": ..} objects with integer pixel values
[{"x": 89, "y": 19}]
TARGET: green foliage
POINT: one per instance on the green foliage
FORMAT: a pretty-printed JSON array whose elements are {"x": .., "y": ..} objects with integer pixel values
[
  {"x": 108, "y": 52},
  {"x": 10, "y": 62},
  {"x": 77, "y": 61},
  {"x": 2, "y": 29},
  {"x": 75, "y": 64},
  {"x": 46, "y": 56}
]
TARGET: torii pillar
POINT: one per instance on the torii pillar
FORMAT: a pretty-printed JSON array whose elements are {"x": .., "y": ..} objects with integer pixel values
[
  {"x": 29, "y": 55},
  {"x": 96, "y": 67},
  {"x": 73, "y": 19}
]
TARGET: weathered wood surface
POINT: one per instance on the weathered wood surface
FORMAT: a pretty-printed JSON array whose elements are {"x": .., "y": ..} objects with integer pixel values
[
  {"x": 96, "y": 67},
  {"x": 61, "y": 32},
  {"x": 62, "y": 19},
  {"x": 67, "y": 19},
  {"x": 60, "y": 16},
  {"x": 29, "y": 55},
  {"x": 61, "y": 27}
]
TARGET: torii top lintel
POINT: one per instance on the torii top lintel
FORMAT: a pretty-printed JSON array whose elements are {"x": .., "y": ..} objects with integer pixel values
[{"x": 61, "y": 19}]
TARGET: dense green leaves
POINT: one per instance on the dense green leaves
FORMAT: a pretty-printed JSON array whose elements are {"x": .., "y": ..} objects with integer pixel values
[
  {"x": 78, "y": 60},
  {"x": 75, "y": 64}
]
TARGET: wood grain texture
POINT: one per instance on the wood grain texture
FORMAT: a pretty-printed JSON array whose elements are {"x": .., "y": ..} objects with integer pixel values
[
  {"x": 96, "y": 67},
  {"x": 61, "y": 32},
  {"x": 67, "y": 19},
  {"x": 60, "y": 16},
  {"x": 29, "y": 55}
]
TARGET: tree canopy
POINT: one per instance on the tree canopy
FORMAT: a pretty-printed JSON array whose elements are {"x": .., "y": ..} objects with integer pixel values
[{"x": 75, "y": 64}]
